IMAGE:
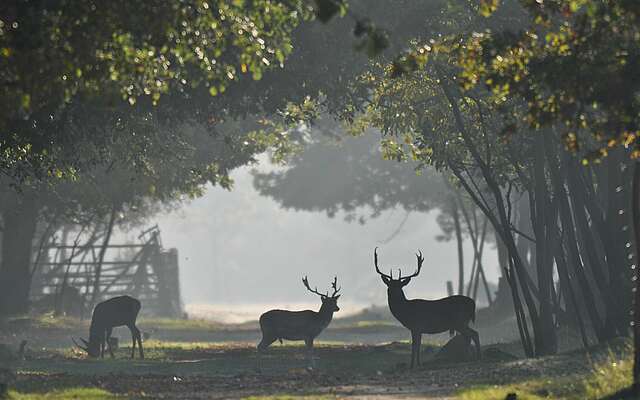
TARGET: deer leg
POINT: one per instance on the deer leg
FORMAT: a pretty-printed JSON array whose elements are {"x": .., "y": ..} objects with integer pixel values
[
  {"x": 108, "y": 335},
  {"x": 139, "y": 335},
  {"x": 133, "y": 342},
  {"x": 418, "y": 348},
  {"x": 102, "y": 344},
  {"x": 136, "y": 337},
  {"x": 473, "y": 334},
  {"x": 414, "y": 341},
  {"x": 265, "y": 342},
  {"x": 309, "y": 343},
  {"x": 262, "y": 346}
]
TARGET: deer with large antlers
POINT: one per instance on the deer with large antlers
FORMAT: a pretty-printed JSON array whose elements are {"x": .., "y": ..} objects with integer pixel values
[
  {"x": 420, "y": 316},
  {"x": 299, "y": 325}
]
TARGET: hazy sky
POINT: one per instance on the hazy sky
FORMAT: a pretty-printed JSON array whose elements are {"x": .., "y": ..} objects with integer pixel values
[{"x": 238, "y": 247}]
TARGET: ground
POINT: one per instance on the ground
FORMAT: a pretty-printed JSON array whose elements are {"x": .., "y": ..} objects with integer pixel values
[{"x": 355, "y": 360}]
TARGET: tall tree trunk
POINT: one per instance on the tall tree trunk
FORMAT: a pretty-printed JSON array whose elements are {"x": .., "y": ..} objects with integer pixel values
[
  {"x": 15, "y": 273},
  {"x": 526, "y": 249},
  {"x": 569, "y": 295},
  {"x": 635, "y": 194},
  {"x": 568, "y": 228},
  {"x": 617, "y": 217},
  {"x": 501, "y": 222},
  {"x": 455, "y": 212},
  {"x": 544, "y": 222},
  {"x": 614, "y": 316},
  {"x": 103, "y": 249}
]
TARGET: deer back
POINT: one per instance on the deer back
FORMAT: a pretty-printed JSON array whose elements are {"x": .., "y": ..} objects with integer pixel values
[
  {"x": 294, "y": 325},
  {"x": 117, "y": 311},
  {"x": 434, "y": 316}
]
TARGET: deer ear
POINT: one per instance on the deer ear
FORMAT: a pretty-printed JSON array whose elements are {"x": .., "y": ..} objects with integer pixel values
[
  {"x": 385, "y": 280},
  {"x": 337, "y": 297},
  {"x": 405, "y": 281}
]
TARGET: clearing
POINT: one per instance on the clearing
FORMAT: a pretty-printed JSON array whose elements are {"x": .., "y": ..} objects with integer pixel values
[{"x": 355, "y": 360}]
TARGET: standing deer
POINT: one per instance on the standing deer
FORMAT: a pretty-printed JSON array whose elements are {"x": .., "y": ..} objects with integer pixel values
[
  {"x": 299, "y": 325},
  {"x": 117, "y": 311},
  {"x": 451, "y": 313}
]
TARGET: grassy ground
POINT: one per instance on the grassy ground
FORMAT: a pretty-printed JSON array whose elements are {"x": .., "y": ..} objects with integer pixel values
[
  {"x": 607, "y": 377},
  {"x": 187, "y": 359}
]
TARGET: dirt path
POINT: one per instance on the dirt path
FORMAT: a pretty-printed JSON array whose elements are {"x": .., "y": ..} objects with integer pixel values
[
  {"x": 197, "y": 364},
  {"x": 218, "y": 372}
]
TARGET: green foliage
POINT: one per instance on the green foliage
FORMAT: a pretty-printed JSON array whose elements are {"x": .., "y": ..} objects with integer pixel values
[
  {"x": 574, "y": 65},
  {"x": 101, "y": 73},
  {"x": 326, "y": 9}
]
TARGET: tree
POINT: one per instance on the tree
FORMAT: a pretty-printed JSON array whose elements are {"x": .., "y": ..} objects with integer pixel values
[
  {"x": 336, "y": 172},
  {"x": 427, "y": 98},
  {"x": 105, "y": 192},
  {"x": 575, "y": 66},
  {"x": 87, "y": 87},
  {"x": 57, "y": 56}
]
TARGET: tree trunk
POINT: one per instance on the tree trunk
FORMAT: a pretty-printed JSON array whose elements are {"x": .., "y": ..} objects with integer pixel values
[
  {"x": 635, "y": 193},
  {"x": 455, "y": 212},
  {"x": 574, "y": 259},
  {"x": 501, "y": 222},
  {"x": 15, "y": 273},
  {"x": 544, "y": 222},
  {"x": 103, "y": 249},
  {"x": 525, "y": 246},
  {"x": 614, "y": 316}
]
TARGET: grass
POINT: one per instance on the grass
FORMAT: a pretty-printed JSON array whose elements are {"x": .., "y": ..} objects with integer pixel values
[
  {"x": 65, "y": 394},
  {"x": 208, "y": 356},
  {"x": 167, "y": 324},
  {"x": 289, "y": 397},
  {"x": 50, "y": 322},
  {"x": 46, "y": 321},
  {"x": 194, "y": 358},
  {"x": 607, "y": 377}
]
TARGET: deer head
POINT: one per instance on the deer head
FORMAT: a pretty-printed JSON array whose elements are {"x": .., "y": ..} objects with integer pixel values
[
  {"x": 394, "y": 286},
  {"x": 329, "y": 303},
  {"x": 91, "y": 347}
]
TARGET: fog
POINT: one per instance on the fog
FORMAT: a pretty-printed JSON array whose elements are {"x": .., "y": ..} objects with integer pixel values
[{"x": 241, "y": 249}]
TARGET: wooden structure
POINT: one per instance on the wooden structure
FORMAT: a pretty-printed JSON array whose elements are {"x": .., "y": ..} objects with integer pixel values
[{"x": 144, "y": 270}]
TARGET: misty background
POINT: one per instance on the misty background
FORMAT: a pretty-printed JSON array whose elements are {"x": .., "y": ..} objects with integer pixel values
[{"x": 238, "y": 248}]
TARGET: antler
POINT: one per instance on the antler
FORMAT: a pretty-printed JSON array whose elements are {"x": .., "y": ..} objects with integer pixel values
[
  {"x": 305, "y": 281},
  {"x": 375, "y": 262},
  {"x": 335, "y": 287},
  {"x": 420, "y": 260}
]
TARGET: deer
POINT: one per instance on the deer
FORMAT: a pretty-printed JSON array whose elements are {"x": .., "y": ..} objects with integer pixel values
[
  {"x": 452, "y": 313},
  {"x": 299, "y": 325},
  {"x": 109, "y": 314}
]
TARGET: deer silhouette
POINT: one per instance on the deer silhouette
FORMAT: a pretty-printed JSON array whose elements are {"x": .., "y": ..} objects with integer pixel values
[
  {"x": 299, "y": 325},
  {"x": 117, "y": 311},
  {"x": 420, "y": 316}
]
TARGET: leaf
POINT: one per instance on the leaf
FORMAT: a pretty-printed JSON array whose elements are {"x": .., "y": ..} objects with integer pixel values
[
  {"x": 379, "y": 40},
  {"x": 327, "y": 9},
  {"x": 362, "y": 26},
  {"x": 404, "y": 65}
]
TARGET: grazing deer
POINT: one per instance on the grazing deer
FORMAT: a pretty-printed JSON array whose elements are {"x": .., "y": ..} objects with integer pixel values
[
  {"x": 451, "y": 313},
  {"x": 299, "y": 325},
  {"x": 117, "y": 311}
]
